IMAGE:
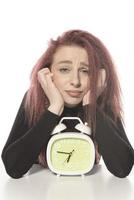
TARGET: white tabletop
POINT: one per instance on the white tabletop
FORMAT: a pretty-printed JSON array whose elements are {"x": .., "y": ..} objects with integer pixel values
[{"x": 42, "y": 184}]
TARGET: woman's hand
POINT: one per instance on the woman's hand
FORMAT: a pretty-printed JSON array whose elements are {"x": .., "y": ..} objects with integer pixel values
[
  {"x": 100, "y": 87},
  {"x": 55, "y": 98},
  {"x": 86, "y": 99}
]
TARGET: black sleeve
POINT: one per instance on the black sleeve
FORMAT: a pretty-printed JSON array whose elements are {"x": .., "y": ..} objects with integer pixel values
[
  {"x": 114, "y": 146},
  {"x": 24, "y": 144}
]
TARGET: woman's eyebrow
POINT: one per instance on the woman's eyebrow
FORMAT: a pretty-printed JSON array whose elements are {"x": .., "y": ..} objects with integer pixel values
[{"x": 70, "y": 62}]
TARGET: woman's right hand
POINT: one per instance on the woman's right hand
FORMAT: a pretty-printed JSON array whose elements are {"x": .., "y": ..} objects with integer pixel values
[{"x": 51, "y": 91}]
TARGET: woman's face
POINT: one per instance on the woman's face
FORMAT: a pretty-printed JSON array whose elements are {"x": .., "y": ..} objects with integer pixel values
[{"x": 70, "y": 70}]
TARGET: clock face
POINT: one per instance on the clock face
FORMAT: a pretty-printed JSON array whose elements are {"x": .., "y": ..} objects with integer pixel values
[{"x": 71, "y": 154}]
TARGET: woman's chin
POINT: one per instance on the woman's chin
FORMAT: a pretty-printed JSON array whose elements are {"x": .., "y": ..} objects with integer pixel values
[
  {"x": 72, "y": 104},
  {"x": 71, "y": 101}
]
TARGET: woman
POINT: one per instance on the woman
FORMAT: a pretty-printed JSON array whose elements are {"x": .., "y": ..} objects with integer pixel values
[{"x": 74, "y": 77}]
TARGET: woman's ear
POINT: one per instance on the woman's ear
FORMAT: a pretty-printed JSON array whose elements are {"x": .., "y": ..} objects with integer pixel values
[{"x": 101, "y": 80}]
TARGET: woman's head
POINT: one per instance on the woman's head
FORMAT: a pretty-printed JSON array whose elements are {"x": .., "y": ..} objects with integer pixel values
[
  {"x": 70, "y": 70},
  {"x": 86, "y": 58}
]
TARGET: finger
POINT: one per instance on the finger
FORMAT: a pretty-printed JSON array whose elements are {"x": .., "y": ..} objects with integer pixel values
[
  {"x": 44, "y": 76},
  {"x": 43, "y": 71},
  {"x": 86, "y": 98},
  {"x": 49, "y": 79}
]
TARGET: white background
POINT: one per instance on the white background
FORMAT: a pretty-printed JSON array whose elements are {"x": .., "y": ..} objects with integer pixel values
[{"x": 25, "y": 29}]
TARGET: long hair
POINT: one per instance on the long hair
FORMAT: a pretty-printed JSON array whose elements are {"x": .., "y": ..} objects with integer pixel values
[{"x": 98, "y": 56}]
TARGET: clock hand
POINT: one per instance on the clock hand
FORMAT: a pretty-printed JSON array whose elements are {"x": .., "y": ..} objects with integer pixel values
[
  {"x": 69, "y": 158},
  {"x": 63, "y": 152},
  {"x": 70, "y": 154}
]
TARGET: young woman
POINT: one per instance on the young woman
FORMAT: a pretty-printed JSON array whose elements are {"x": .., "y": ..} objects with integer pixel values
[{"x": 74, "y": 77}]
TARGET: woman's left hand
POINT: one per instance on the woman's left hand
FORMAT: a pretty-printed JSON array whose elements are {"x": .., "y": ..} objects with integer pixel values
[
  {"x": 86, "y": 99},
  {"x": 100, "y": 87}
]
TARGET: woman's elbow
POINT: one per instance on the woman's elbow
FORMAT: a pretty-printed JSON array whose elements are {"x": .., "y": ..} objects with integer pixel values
[
  {"x": 123, "y": 172},
  {"x": 11, "y": 169},
  {"x": 14, "y": 175}
]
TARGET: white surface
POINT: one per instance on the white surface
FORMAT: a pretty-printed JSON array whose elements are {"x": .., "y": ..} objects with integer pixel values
[{"x": 42, "y": 184}]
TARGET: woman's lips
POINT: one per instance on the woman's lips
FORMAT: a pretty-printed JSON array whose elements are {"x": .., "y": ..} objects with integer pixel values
[{"x": 74, "y": 94}]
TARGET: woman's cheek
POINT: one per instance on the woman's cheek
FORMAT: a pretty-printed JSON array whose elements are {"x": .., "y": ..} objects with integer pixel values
[{"x": 58, "y": 81}]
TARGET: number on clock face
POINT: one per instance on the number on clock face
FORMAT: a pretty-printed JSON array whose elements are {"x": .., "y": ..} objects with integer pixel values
[{"x": 70, "y": 153}]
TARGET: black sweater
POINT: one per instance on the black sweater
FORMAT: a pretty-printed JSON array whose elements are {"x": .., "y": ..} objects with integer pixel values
[{"x": 24, "y": 144}]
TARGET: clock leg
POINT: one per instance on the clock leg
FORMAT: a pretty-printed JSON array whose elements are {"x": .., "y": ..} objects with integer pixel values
[{"x": 82, "y": 175}]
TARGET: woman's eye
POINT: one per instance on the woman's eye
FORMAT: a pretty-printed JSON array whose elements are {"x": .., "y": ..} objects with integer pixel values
[
  {"x": 63, "y": 69},
  {"x": 85, "y": 70}
]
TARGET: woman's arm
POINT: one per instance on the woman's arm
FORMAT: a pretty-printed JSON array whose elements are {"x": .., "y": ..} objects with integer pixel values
[
  {"x": 24, "y": 144},
  {"x": 114, "y": 146}
]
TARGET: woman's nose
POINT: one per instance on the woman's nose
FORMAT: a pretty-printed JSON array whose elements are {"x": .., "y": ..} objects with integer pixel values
[{"x": 75, "y": 80}]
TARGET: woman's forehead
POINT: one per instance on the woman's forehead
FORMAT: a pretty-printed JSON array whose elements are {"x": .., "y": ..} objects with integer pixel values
[{"x": 70, "y": 53}]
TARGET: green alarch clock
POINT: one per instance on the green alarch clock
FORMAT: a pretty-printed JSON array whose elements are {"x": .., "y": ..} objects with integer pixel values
[{"x": 70, "y": 153}]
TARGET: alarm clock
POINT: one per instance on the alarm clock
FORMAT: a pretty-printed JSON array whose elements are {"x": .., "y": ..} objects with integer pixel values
[{"x": 70, "y": 153}]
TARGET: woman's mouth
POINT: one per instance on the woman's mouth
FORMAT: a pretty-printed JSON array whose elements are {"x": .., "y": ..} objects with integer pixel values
[{"x": 74, "y": 94}]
